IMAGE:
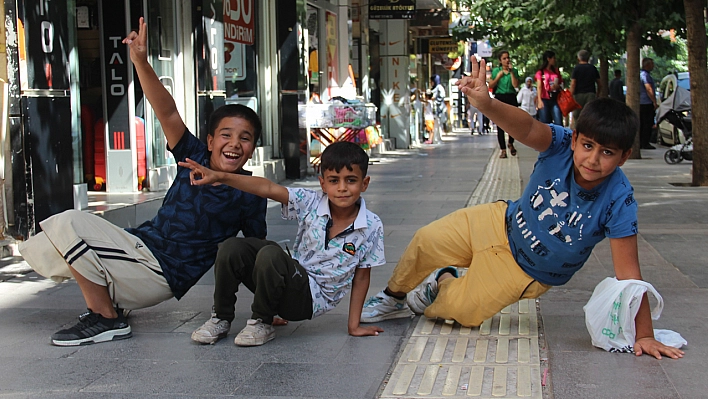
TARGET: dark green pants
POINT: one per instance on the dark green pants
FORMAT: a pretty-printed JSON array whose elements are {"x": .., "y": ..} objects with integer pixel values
[{"x": 279, "y": 284}]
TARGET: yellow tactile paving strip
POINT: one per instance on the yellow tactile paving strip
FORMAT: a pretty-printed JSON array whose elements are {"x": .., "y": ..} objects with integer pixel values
[{"x": 500, "y": 359}]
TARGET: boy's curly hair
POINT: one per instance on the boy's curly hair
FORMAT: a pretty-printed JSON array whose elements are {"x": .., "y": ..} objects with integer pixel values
[
  {"x": 343, "y": 153},
  {"x": 609, "y": 123}
]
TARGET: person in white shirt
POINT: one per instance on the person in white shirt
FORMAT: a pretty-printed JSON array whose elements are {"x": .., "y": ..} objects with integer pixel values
[
  {"x": 527, "y": 97},
  {"x": 338, "y": 242}
]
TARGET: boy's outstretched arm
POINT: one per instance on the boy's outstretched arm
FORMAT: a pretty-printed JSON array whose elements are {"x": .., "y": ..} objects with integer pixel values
[
  {"x": 201, "y": 175},
  {"x": 515, "y": 121},
  {"x": 360, "y": 286},
  {"x": 160, "y": 99},
  {"x": 625, "y": 258}
]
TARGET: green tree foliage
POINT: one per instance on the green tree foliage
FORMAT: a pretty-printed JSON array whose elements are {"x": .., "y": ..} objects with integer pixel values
[{"x": 529, "y": 27}]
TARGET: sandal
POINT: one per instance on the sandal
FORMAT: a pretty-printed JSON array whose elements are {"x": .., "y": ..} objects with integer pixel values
[
  {"x": 512, "y": 149},
  {"x": 503, "y": 154}
]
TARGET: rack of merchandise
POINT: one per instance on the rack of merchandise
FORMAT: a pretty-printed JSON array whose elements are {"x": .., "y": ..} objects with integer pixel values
[{"x": 330, "y": 123}]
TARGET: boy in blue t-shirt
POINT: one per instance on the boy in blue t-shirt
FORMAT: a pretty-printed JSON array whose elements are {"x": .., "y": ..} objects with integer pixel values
[
  {"x": 576, "y": 196},
  {"x": 338, "y": 242},
  {"x": 164, "y": 257}
]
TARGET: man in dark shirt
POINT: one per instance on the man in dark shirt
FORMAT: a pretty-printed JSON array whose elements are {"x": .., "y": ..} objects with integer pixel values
[
  {"x": 617, "y": 87},
  {"x": 584, "y": 82}
]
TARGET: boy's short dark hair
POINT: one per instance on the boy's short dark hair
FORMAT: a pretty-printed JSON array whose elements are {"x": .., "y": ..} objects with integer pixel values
[
  {"x": 344, "y": 153},
  {"x": 236, "y": 111},
  {"x": 618, "y": 73},
  {"x": 608, "y": 122}
]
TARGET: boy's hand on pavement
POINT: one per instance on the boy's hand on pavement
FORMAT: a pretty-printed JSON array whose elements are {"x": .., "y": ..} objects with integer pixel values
[
  {"x": 200, "y": 175},
  {"x": 137, "y": 42},
  {"x": 652, "y": 347},
  {"x": 277, "y": 321},
  {"x": 475, "y": 85},
  {"x": 362, "y": 331}
]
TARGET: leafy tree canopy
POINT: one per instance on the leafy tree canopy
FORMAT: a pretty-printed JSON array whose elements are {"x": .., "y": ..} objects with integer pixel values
[{"x": 529, "y": 27}]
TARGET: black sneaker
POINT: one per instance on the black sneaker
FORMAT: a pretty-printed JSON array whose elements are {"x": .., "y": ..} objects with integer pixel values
[{"x": 93, "y": 328}]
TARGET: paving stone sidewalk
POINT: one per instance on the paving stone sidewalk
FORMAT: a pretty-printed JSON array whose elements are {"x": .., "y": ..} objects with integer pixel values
[{"x": 317, "y": 359}]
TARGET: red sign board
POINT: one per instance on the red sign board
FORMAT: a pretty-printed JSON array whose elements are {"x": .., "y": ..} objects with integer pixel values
[{"x": 238, "y": 21}]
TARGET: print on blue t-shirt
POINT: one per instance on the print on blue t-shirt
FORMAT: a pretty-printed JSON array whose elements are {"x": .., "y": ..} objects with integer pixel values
[
  {"x": 193, "y": 220},
  {"x": 555, "y": 224}
]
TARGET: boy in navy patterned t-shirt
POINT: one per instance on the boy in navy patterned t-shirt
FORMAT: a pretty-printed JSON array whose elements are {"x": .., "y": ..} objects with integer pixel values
[{"x": 164, "y": 257}]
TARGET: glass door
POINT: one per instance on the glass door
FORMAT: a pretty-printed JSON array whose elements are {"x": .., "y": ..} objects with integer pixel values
[{"x": 162, "y": 48}]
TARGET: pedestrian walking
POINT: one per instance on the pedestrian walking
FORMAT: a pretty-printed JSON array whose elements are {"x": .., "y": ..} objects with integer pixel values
[
  {"x": 617, "y": 87},
  {"x": 440, "y": 107},
  {"x": 584, "y": 82},
  {"x": 527, "y": 97},
  {"x": 647, "y": 104},
  {"x": 548, "y": 85},
  {"x": 504, "y": 81}
]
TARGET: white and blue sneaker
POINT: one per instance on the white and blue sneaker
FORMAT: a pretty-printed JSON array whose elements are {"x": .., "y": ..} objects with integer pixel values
[
  {"x": 384, "y": 307},
  {"x": 425, "y": 293}
]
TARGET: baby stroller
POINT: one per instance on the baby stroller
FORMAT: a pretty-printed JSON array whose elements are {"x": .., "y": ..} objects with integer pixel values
[{"x": 674, "y": 119}]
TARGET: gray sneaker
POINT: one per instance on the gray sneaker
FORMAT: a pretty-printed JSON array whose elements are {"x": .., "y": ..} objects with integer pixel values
[
  {"x": 384, "y": 307},
  {"x": 255, "y": 333},
  {"x": 211, "y": 331},
  {"x": 425, "y": 293}
]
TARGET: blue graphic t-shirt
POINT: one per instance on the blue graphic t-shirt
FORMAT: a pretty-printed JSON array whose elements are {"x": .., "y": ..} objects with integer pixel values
[
  {"x": 194, "y": 219},
  {"x": 556, "y": 223}
]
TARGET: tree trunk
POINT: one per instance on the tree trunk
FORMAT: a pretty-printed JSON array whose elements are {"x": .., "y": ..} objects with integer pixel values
[
  {"x": 604, "y": 77},
  {"x": 697, "y": 66},
  {"x": 634, "y": 35}
]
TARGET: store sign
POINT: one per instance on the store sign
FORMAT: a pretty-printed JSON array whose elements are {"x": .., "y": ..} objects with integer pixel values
[
  {"x": 47, "y": 54},
  {"x": 115, "y": 66},
  {"x": 239, "y": 30},
  {"x": 442, "y": 46},
  {"x": 391, "y": 9},
  {"x": 238, "y": 21}
]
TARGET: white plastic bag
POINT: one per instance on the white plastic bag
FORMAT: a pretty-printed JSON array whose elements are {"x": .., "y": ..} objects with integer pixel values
[
  {"x": 670, "y": 338},
  {"x": 610, "y": 313}
]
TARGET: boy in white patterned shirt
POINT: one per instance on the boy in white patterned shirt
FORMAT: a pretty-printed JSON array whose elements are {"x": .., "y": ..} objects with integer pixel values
[{"x": 337, "y": 243}]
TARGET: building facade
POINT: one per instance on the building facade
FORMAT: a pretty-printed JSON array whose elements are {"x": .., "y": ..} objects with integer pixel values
[{"x": 78, "y": 120}]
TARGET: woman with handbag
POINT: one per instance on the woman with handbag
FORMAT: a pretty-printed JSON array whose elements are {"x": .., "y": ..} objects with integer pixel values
[
  {"x": 505, "y": 80},
  {"x": 548, "y": 82}
]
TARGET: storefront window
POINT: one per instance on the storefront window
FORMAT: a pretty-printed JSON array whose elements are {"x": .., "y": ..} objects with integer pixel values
[
  {"x": 313, "y": 68},
  {"x": 240, "y": 52}
]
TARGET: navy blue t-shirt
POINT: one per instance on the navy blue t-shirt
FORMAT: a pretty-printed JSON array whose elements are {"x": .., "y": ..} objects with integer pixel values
[
  {"x": 194, "y": 219},
  {"x": 556, "y": 223}
]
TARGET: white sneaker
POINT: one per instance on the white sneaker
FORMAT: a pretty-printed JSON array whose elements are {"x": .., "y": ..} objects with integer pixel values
[
  {"x": 211, "y": 331},
  {"x": 425, "y": 293},
  {"x": 255, "y": 333},
  {"x": 383, "y": 307}
]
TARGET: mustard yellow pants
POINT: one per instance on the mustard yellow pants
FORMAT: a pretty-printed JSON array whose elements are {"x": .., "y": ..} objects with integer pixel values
[{"x": 473, "y": 238}]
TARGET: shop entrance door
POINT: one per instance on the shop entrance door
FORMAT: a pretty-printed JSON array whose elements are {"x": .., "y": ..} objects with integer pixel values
[{"x": 163, "y": 51}]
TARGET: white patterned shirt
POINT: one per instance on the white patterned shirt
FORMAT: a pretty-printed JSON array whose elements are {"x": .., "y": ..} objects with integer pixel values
[{"x": 331, "y": 265}]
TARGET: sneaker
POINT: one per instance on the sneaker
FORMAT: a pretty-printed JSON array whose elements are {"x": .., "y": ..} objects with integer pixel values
[
  {"x": 211, "y": 331},
  {"x": 255, "y": 333},
  {"x": 425, "y": 293},
  {"x": 383, "y": 307},
  {"x": 93, "y": 328}
]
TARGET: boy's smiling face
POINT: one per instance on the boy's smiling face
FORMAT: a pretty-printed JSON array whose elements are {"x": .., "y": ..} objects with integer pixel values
[
  {"x": 344, "y": 188},
  {"x": 231, "y": 145},
  {"x": 593, "y": 162}
]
